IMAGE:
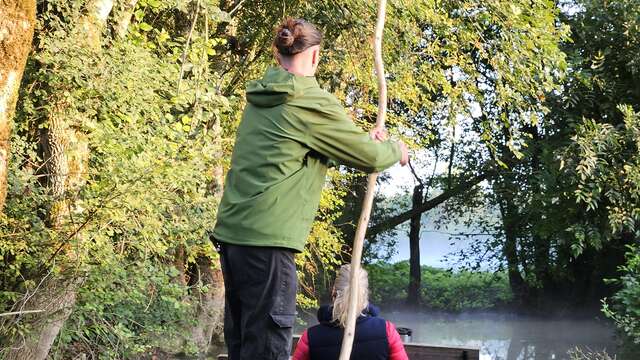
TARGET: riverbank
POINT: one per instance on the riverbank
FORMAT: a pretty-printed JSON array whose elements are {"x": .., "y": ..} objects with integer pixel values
[{"x": 441, "y": 290}]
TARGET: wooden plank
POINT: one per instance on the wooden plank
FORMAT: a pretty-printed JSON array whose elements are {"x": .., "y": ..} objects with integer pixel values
[
  {"x": 417, "y": 351},
  {"x": 428, "y": 352}
]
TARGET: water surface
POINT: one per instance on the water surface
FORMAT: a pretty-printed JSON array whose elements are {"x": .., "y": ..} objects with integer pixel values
[{"x": 504, "y": 336}]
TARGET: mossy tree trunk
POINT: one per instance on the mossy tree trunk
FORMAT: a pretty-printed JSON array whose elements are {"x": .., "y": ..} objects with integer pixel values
[
  {"x": 56, "y": 299},
  {"x": 65, "y": 152},
  {"x": 210, "y": 302},
  {"x": 124, "y": 18},
  {"x": 17, "y": 21}
]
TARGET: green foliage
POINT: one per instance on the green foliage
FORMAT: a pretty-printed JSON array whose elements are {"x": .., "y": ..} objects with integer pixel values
[
  {"x": 580, "y": 354},
  {"x": 149, "y": 119},
  {"x": 603, "y": 102},
  {"x": 146, "y": 125},
  {"x": 440, "y": 289},
  {"x": 448, "y": 58},
  {"x": 564, "y": 209},
  {"x": 608, "y": 170},
  {"x": 625, "y": 304},
  {"x": 145, "y": 188},
  {"x": 136, "y": 308}
]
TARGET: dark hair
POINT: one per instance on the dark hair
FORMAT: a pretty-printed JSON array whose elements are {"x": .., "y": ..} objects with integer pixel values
[{"x": 294, "y": 36}]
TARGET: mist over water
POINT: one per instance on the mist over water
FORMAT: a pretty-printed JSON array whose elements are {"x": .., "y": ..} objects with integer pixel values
[
  {"x": 503, "y": 336},
  {"x": 498, "y": 335}
]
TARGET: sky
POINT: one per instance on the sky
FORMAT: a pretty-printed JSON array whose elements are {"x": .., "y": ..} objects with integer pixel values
[{"x": 435, "y": 243}]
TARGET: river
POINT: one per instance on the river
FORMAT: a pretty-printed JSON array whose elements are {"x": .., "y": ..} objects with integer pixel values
[{"x": 506, "y": 337}]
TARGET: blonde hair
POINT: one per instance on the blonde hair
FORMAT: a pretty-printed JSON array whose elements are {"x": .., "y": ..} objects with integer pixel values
[{"x": 342, "y": 290}]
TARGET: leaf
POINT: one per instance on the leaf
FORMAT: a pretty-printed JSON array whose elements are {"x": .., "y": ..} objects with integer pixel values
[{"x": 145, "y": 27}]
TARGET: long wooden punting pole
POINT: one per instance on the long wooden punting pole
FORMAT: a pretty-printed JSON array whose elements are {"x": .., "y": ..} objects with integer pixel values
[{"x": 363, "y": 222}]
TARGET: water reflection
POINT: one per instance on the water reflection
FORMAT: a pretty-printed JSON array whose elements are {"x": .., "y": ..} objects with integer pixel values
[
  {"x": 507, "y": 337},
  {"x": 502, "y": 336}
]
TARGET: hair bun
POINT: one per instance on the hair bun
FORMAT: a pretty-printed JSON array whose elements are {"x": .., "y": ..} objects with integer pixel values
[
  {"x": 294, "y": 36},
  {"x": 285, "y": 37}
]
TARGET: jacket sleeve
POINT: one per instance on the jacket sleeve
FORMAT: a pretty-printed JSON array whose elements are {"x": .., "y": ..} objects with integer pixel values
[
  {"x": 334, "y": 135},
  {"x": 396, "y": 347},
  {"x": 302, "y": 348}
]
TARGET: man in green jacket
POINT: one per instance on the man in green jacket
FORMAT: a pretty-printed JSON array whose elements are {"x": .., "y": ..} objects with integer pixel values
[{"x": 289, "y": 131}]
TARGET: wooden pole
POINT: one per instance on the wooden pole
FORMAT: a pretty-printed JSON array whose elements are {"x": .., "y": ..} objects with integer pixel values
[{"x": 363, "y": 222}]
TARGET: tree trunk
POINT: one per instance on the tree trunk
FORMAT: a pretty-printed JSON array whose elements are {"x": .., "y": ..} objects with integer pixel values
[
  {"x": 66, "y": 155},
  {"x": 65, "y": 150},
  {"x": 93, "y": 23},
  {"x": 209, "y": 318},
  {"x": 56, "y": 297},
  {"x": 17, "y": 21},
  {"x": 542, "y": 270},
  {"x": 54, "y": 140},
  {"x": 413, "y": 293},
  {"x": 180, "y": 263},
  {"x": 124, "y": 19},
  {"x": 452, "y": 155},
  {"x": 510, "y": 251},
  {"x": 210, "y": 305},
  {"x": 509, "y": 215}
]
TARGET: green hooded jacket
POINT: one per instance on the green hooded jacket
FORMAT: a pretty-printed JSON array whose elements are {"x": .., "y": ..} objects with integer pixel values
[{"x": 289, "y": 131}]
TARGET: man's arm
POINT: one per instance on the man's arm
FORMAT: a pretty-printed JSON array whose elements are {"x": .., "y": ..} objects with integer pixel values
[{"x": 335, "y": 136}]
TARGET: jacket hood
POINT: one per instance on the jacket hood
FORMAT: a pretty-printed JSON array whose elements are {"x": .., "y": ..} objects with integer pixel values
[
  {"x": 325, "y": 313},
  {"x": 277, "y": 87}
]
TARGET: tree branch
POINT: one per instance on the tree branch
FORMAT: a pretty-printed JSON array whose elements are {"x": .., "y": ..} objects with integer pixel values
[
  {"x": 394, "y": 221},
  {"x": 12, "y": 313}
]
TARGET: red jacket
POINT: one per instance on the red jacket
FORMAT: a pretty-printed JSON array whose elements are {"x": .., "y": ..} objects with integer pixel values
[{"x": 396, "y": 348}]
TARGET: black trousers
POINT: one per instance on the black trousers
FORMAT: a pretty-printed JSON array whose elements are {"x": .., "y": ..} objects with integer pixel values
[{"x": 260, "y": 307}]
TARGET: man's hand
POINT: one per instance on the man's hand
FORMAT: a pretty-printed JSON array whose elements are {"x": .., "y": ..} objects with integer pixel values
[
  {"x": 378, "y": 134},
  {"x": 404, "y": 160}
]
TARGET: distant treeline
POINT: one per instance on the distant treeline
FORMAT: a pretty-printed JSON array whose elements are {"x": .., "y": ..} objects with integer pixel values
[{"x": 441, "y": 289}]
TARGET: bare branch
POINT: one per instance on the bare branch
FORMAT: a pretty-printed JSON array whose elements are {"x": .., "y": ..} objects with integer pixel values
[
  {"x": 363, "y": 222},
  {"x": 12, "y": 313}
]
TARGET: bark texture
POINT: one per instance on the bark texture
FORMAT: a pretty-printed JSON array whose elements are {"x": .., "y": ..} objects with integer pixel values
[
  {"x": 210, "y": 305},
  {"x": 93, "y": 23},
  {"x": 17, "y": 21},
  {"x": 65, "y": 152},
  {"x": 124, "y": 19},
  {"x": 56, "y": 297}
]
